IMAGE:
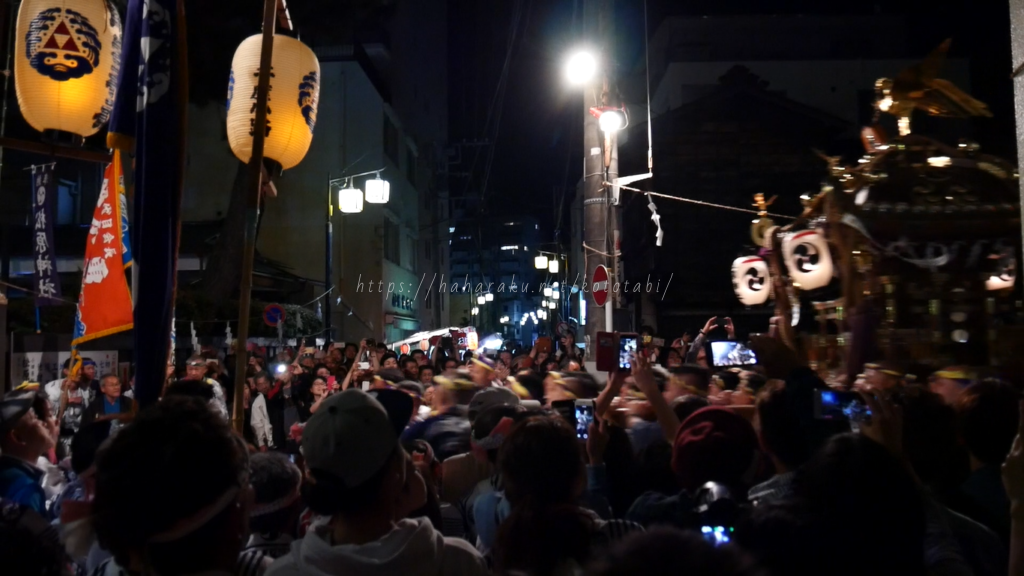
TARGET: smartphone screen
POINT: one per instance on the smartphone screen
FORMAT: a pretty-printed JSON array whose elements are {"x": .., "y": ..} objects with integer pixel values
[
  {"x": 364, "y": 365},
  {"x": 366, "y": 386},
  {"x": 728, "y": 353},
  {"x": 836, "y": 405},
  {"x": 627, "y": 346},
  {"x": 584, "y": 418},
  {"x": 717, "y": 535}
]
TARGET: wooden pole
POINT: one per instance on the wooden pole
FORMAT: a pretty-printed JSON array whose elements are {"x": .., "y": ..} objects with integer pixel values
[{"x": 254, "y": 182}]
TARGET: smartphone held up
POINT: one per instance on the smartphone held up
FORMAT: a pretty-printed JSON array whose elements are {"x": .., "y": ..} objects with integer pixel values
[{"x": 615, "y": 350}]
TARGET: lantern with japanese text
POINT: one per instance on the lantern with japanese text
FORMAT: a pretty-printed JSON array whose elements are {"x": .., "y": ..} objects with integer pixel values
[
  {"x": 67, "y": 58},
  {"x": 751, "y": 280},
  {"x": 291, "y": 105},
  {"x": 808, "y": 259}
]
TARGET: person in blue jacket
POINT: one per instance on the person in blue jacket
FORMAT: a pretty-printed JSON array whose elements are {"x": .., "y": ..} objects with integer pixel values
[{"x": 24, "y": 438}]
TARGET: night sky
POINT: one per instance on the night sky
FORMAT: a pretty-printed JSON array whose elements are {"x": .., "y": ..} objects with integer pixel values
[{"x": 538, "y": 139}]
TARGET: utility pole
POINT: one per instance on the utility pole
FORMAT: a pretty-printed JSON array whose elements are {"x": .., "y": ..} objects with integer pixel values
[{"x": 598, "y": 220}]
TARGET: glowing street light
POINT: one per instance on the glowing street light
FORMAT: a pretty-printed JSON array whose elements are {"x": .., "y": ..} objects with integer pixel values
[
  {"x": 555, "y": 294},
  {"x": 481, "y": 300},
  {"x": 553, "y": 266},
  {"x": 474, "y": 311},
  {"x": 581, "y": 68},
  {"x": 609, "y": 118},
  {"x": 547, "y": 292},
  {"x": 540, "y": 262},
  {"x": 488, "y": 297}
]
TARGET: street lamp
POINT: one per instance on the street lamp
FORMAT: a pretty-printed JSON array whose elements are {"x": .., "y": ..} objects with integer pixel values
[
  {"x": 555, "y": 294},
  {"x": 474, "y": 311},
  {"x": 540, "y": 262},
  {"x": 481, "y": 300},
  {"x": 489, "y": 297},
  {"x": 378, "y": 191},
  {"x": 610, "y": 118},
  {"x": 547, "y": 292},
  {"x": 553, "y": 265},
  {"x": 581, "y": 68},
  {"x": 350, "y": 199}
]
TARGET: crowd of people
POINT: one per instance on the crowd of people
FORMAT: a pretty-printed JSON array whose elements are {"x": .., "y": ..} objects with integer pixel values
[{"x": 353, "y": 460}]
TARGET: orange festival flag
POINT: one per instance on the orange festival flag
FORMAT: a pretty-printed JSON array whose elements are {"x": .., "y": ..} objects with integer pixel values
[{"x": 105, "y": 303}]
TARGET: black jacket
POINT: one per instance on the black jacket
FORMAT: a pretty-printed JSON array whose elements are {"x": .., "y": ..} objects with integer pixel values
[{"x": 95, "y": 409}]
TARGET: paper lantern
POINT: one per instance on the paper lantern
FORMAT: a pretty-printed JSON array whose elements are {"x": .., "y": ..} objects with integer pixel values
[
  {"x": 67, "y": 57},
  {"x": 808, "y": 259},
  {"x": 404, "y": 349},
  {"x": 378, "y": 191},
  {"x": 350, "y": 200},
  {"x": 751, "y": 280},
  {"x": 1005, "y": 275},
  {"x": 291, "y": 108},
  {"x": 424, "y": 345}
]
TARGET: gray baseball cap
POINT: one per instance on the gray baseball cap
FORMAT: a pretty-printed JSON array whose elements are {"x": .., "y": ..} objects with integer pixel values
[{"x": 350, "y": 437}]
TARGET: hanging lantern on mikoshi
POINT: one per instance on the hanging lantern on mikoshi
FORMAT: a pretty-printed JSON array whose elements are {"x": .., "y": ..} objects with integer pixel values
[
  {"x": 67, "y": 57},
  {"x": 291, "y": 105},
  {"x": 808, "y": 259},
  {"x": 751, "y": 280}
]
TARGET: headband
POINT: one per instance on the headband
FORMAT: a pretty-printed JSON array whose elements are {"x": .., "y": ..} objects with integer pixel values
[
  {"x": 88, "y": 363},
  {"x": 952, "y": 375},
  {"x": 279, "y": 504},
  {"x": 493, "y": 440},
  {"x": 198, "y": 520},
  {"x": 482, "y": 363},
  {"x": 557, "y": 378}
]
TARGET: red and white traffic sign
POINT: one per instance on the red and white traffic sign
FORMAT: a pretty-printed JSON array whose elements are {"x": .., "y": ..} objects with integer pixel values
[{"x": 599, "y": 286}]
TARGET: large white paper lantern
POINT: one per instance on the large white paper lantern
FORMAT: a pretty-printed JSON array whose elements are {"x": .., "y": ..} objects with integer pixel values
[
  {"x": 808, "y": 259},
  {"x": 67, "y": 57},
  {"x": 291, "y": 108},
  {"x": 751, "y": 280}
]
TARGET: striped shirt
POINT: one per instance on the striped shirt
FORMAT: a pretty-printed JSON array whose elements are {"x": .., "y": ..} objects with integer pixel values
[{"x": 260, "y": 553}]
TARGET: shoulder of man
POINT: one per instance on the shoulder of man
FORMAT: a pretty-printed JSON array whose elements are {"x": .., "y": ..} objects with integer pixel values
[{"x": 461, "y": 558}]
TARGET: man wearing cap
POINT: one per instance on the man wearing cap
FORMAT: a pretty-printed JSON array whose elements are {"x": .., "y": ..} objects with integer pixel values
[
  {"x": 366, "y": 483},
  {"x": 195, "y": 369},
  {"x": 68, "y": 399},
  {"x": 24, "y": 438},
  {"x": 448, "y": 431},
  {"x": 482, "y": 369}
]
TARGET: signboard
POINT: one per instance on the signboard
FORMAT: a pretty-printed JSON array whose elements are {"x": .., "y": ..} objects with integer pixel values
[
  {"x": 45, "y": 367},
  {"x": 599, "y": 286},
  {"x": 273, "y": 315}
]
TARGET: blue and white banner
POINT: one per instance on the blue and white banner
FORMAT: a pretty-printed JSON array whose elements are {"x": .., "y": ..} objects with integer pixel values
[{"x": 44, "y": 191}]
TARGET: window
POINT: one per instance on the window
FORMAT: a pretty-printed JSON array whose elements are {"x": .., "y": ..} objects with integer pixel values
[
  {"x": 392, "y": 248},
  {"x": 390, "y": 139},
  {"x": 410, "y": 166},
  {"x": 66, "y": 195}
]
